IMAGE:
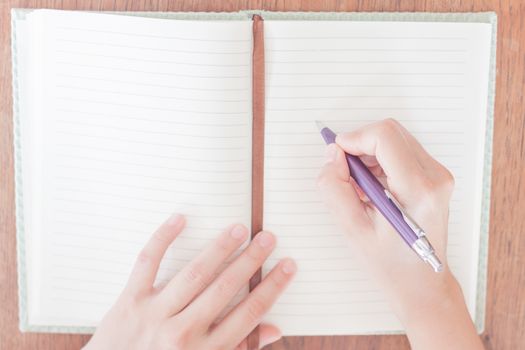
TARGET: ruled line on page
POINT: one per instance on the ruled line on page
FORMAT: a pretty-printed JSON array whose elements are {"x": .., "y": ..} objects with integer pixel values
[
  {"x": 186, "y": 241},
  {"x": 113, "y": 261},
  {"x": 164, "y": 86},
  {"x": 116, "y": 44},
  {"x": 127, "y": 93},
  {"x": 205, "y": 216},
  {"x": 126, "y": 58},
  {"x": 105, "y": 203},
  {"x": 108, "y": 171},
  {"x": 88, "y": 280},
  {"x": 364, "y": 37},
  {"x": 204, "y": 193},
  {"x": 393, "y": 108},
  {"x": 224, "y": 124},
  {"x": 178, "y": 75},
  {"x": 155, "y": 132},
  {"x": 91, "y": 101},
  {"x": 313, "y": 49},
  {"x": 150, "y": 166},
  {"x": 169, "y": 37},
  {"x": 225, "y": 127},
  {"x": 273, "y": 86},
  {"x": 113, "y": 150},
  {"x": 178, "y": 146},
  {"x": 362, "y": 96},
  {"x": 80, "y": 301},
  {"x": 362, "y": 62},
  {"x": 80, "y": 290},
  {"x": 142, "y": 199}
]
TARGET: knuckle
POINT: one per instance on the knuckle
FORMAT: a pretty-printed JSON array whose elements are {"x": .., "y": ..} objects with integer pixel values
[
  {"x": 323, "y": 180},
  {"x": 391, "y": 122},
  {"x": 255, "y": 309},
  {"x": 388, "y": 127},
  {"x": 253, "y": 255},
  {"x": 196, "y": 275},
  {"x": 219, "y": 344},
  {"x": 223, "y": 243},
  {"x": 144, "y": 257},
  {"x": 127, "y": 306},
  {"x": 448, "y": 182},
  {"x": 226, "y": 285},
  {"x": 277, "y": 279},
  {"x": 429, "y": 193},
  {"x": 133, "y": 301},
  {"x": 181, "y": 338},
  {"x": 162, "y": 236}
]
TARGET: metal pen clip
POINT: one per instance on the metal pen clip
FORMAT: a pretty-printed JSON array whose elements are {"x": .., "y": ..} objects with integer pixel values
[
  {"x": 410, "y": 222},
  {"x": 421, "y": 246}
]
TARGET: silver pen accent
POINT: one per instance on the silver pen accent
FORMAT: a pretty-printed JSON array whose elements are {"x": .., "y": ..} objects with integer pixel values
[
  {"x": 421, "y": 246},
  {"x": 424, "y": 249}
]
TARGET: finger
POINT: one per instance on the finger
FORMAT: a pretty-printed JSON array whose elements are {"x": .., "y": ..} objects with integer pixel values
[
  {"x": 249, "y": 313},
  {"x": 147, "y": 264},
  {"x": 196, "y": 276},
  {"x": 377, "y": 171},
  {"x": 338, "y": 192},
  {"x": 208, "y": 305},
  {"x": 384, "y": 140},
  {"x": 369, "y": 161},
  {"x": 422, "y": 156},
  {"x": 441, "y": 178},
  {"x": 434, "y": 169},
  {"x": 267, "y": 334}
]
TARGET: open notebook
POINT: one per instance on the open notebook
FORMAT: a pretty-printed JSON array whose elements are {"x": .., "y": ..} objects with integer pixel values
[{"x": 121, "y": 120}]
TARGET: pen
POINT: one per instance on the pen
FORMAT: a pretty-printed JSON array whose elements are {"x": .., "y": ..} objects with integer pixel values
[{"x": 385, "y": 202}]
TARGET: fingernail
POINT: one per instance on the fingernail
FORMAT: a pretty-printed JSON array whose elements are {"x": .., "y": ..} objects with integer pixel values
[
  {"x": 272, "y": 339},
  {"x": 174, "y": 220},
  {"x": 265, "y": 239},
  {"x": 289, "y": 267},
  {"x": 238, "y": 232},
  {"x": 331, "y": 153}
]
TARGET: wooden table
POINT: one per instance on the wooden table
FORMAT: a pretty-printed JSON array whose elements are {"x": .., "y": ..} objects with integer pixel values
[{"x": 505, "y": 322}]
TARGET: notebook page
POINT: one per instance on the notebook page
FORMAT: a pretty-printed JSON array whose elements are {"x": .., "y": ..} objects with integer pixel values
[
  {"x": 433, "y": 78},
  {"x": 143, "y": 118}
]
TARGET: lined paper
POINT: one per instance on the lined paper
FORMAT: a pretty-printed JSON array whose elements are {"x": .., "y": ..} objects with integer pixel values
[
  {"x": 432, "y": 77},
  {"x": 143, "y": 118}
]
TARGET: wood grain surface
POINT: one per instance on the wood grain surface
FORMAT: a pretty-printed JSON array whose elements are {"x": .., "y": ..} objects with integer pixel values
[{"x": 506, "y": 278}]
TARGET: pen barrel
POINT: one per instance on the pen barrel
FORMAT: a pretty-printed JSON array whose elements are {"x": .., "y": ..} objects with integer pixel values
[
  {"x": 375, "y": 192},
  {"x": 377, "y": 195}
]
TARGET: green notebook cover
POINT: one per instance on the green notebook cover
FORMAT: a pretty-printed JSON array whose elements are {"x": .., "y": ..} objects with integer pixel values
[{"x": 479, "y": 17}]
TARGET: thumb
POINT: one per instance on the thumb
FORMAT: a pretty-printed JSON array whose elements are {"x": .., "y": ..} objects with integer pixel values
[{"x": 339, "y": 194}]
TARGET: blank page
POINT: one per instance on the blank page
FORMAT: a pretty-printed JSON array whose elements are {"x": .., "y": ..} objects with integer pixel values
[
  {"x": 433, "y": 78},
  {"x": 137, "y": 118}
]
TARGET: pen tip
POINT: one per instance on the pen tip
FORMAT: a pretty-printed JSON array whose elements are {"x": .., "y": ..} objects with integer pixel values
[{"x": 320, "y": 125}]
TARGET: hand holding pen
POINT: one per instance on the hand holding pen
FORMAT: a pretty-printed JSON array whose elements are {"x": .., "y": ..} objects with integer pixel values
[
  {"x": 385, "y": 202},
  {"x": 424, "y": 301}
]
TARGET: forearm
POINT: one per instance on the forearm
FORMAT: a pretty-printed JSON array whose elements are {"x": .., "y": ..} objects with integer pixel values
[{"x": 443, "y": 324}]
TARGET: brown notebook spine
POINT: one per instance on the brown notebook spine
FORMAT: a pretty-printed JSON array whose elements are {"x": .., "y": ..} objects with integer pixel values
[{"x": 257, "y": 149}]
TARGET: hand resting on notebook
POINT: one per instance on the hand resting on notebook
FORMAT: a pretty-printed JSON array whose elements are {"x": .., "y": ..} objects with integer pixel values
[
  {"x": 430, "y": 305},
  {"x": 183, "y": 314}
]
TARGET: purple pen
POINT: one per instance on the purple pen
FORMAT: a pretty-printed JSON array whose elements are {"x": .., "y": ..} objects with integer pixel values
[{"x": 385, "y": 202}]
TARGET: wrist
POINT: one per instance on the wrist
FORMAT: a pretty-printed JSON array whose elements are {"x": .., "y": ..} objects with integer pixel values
[
  {"x": 437, "y": 295},
  {"x": 439, "y": 316}
]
